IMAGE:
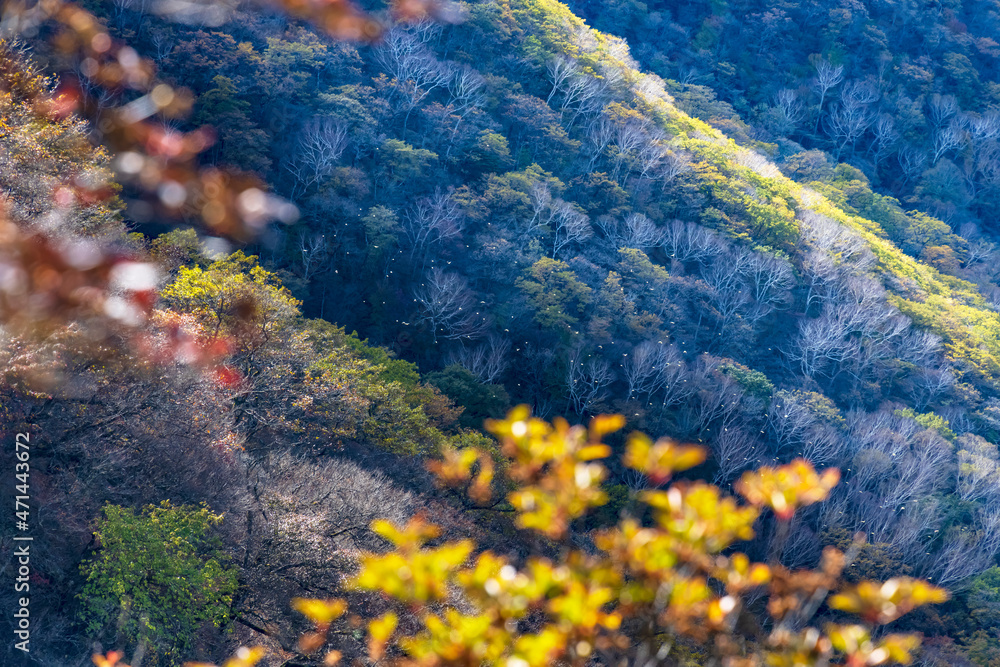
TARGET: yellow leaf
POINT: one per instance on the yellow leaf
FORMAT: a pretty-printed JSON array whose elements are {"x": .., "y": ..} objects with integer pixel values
[
  {"x": 898, "y": 648},
  {"x": 601, "y": 425},
  {"x": 246, "y": 657},
  {"x": 661, "y": 460},
  {"x": 591, "y": 452},
  {"x": 456, "y": 466},
  {"x": 415, "y": 533},
  {"x": 320, "y": 612}
]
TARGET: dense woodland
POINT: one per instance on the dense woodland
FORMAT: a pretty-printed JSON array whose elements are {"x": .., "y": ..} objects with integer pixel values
[{"x": 769, "y": 228}]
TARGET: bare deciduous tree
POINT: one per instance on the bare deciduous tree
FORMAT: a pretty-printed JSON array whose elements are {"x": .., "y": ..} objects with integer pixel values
[
  {"x": 966, "y": 552},
  {"x": 919, "y": 347},
  {"x": 919, "y": 473},
  {"x": 559, "y": 71},
  {"x": 820, "y": 271},
  {"x": 770, "y": 280},
  {"x": 651, "y": 157},
  {"x": 635, "y": 231},
  {"x": 856, "y": 321},
  {"x": 821, "y": 342},
  {"x": 600, "y": 134},
  {"x": 334, "y": 500},
  {"x": 985, "y": 127},
  {"x": 587, "y": 378},
  {"x": 718, "y": 403},
  {"x": 930, "y": 383},
  {"x": 911, "y": 161},
  {"x": 541, "y": 208},
  {"x": 798, "y": 430},
  {"x": 449, "y": 307},
  {"x": 416, "y": 71},
  {"x": 886, "y": 137},
  {"x": 802, "y": 547},
  {"x": 628, "y": 140},
  {"x": 675, "y": 383},
  {"x": 306, "y": 515},
  {"x": 947, "y": 138},
  {"x": 320, "y": 144},
  {"x": 735, "y": 451},
  {"x": 850, "y": 118},
  {"x": 431, "y": 220},
  {"x": 645, "y": 367},
  {"x": 731, "y": 296},
  {"x": 314, "y": 250},
  {"x": 487, "y": 361},
  {"x": 569, "y": 225},
  {"x": 582, "y": 94},
  {"x": 980, "y": 250},
  {"x": 129, "y": 12},
  {"x": 425, "y": 30},
  {"x": 790, "y": 110},
  {"x": 690, "y": 242},
  {"x": 163, "y": 44},
  {"x": 941, "y": 108},
  {"x": 672, "y": 164},
  {"x": 827, "y": 76},
  {"x": 465, "y": 94},
  {"x": 978, "y": 468}
]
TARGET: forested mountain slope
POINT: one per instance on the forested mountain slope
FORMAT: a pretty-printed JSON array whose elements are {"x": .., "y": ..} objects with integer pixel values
[
  {"x": 514, "y": 195},
  {"x": 906, "y": 92},
  {"x": 518, "y": 207}
]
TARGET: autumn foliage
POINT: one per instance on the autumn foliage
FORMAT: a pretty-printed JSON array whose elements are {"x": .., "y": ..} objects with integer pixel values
[
  {"x": 640, "y": 592},
  {"x": 75, "y": 274},
  {"x": 565, "y": 183}
]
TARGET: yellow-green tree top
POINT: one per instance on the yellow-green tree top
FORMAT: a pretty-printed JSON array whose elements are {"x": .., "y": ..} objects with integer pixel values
[
  {"x": 158, "y": 577},
  {"x": 233, "y": 295}
]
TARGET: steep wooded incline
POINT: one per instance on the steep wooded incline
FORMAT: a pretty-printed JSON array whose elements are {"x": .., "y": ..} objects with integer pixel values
[{"x": 518, "y": 209}]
